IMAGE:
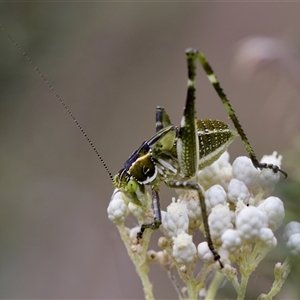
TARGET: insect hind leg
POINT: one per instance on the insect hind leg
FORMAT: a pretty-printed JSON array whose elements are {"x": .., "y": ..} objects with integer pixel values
[{"x": 216, "y": 84}]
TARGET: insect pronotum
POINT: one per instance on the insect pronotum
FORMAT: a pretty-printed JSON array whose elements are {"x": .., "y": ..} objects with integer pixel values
[{"x": 175, "y": 153}]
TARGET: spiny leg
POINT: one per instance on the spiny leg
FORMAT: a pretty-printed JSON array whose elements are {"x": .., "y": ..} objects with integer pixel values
[
  {"x": 192, "y": 185},
  {"x": 214, "y": 81},
  {"x": 162, "y": 118},
  {"x": 188, "y": 142},
  {"x": 188, "y": 147},
  {"x": 157, "y": 215}
]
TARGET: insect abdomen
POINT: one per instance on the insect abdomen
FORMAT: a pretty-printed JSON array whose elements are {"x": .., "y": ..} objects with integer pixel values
[{"x": 214, "y": 138}]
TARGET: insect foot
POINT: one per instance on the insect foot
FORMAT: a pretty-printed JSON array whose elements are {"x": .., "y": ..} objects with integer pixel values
[{"x": 242, "y": 216}]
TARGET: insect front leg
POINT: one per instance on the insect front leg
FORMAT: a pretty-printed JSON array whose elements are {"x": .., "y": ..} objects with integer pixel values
[{"x": 157, "y": 214}]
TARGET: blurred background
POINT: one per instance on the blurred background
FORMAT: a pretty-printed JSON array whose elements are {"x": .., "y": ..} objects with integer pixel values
[{"x": 113, "y": 63}]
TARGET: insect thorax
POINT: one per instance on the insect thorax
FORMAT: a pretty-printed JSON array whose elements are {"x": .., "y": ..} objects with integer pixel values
[
  {"x": 156, "y": 160},
  {"x": 144, "y": 165}
]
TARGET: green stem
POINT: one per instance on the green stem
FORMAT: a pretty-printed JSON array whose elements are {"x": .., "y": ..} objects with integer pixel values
[
  {"x": 192, "y": 289},
  {"x": 213, "y": 288},
  {"x": 143, "y": 271},
  {"x": 139, "y": 258},
  {"x": 281, "y": 274},
  {"x": 243, "y": 286}
]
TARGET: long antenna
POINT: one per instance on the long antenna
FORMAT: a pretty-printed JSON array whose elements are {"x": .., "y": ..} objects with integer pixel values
[{"x": 60, "y": 100}]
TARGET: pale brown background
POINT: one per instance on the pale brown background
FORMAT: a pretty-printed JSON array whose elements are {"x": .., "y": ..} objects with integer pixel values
[{"x": 113, "y": 63}]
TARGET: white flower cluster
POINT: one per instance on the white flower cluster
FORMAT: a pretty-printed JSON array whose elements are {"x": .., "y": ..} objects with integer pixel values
[
  {"x": 292, "y": 237},
  {"x": 118, "y": 208},
  {"x": 240, "y": 210},
  {"x": 242, "y": 217}
]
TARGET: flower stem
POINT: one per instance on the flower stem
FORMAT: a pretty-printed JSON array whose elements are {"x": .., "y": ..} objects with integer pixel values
[
  {"x": 139, "y": 258},
  {"x": 213, "y": 288}
]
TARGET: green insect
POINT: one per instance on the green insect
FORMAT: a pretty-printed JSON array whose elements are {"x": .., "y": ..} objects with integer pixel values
[{"x": 175, "y": 153}]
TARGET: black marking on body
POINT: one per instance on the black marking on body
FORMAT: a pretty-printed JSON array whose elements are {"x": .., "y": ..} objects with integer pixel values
[{"x": 140, "y": 164}]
